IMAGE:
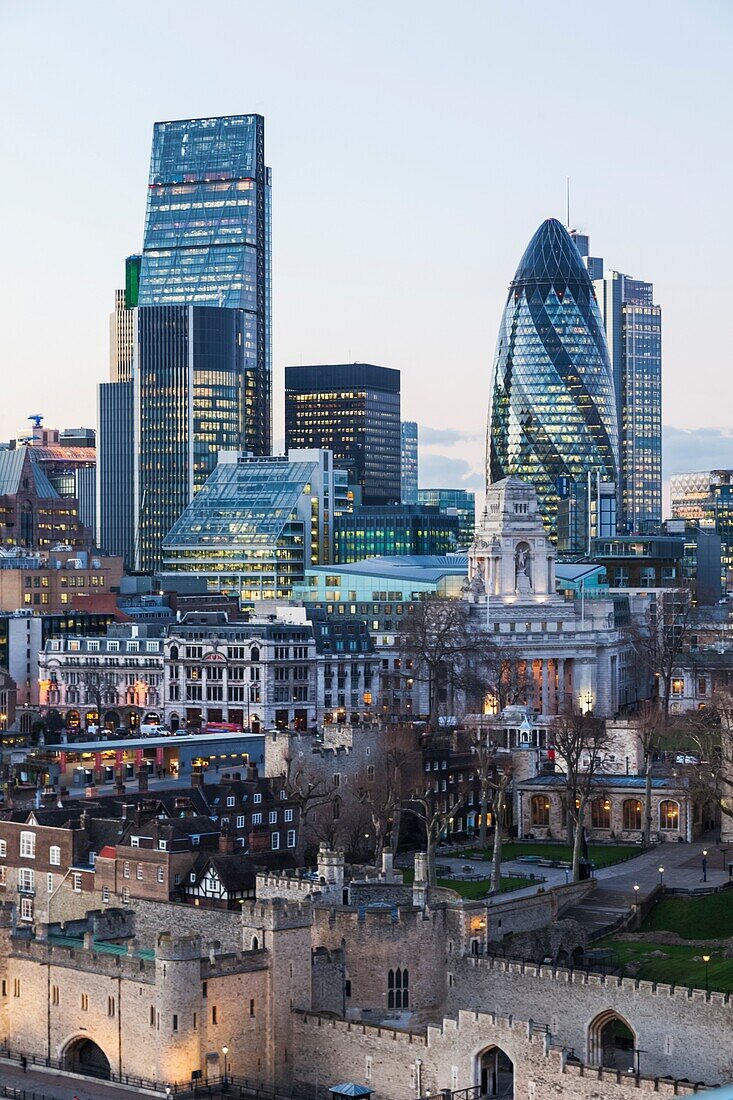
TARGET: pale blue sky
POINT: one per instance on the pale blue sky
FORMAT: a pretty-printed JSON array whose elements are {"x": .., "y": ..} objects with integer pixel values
[{"x": 415, "y": 146}]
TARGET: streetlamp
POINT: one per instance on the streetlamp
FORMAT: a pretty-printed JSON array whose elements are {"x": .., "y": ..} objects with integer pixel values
[
  {"x": 636, "y": 894},
  {"x": 225, "y": 1051},
  {"x": 706, "y": 960},
  {"x": 704, "y": 865},
  {"x": 661, "y": 876}
]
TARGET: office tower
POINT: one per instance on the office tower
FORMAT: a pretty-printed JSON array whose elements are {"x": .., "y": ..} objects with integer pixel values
[
  {"x": 706, "y": 499},
  {"x": 394, "y": 529},
  {"x": 352, "y": 409},
  {"x": 454, "y": 502},
  {"x": 122, "y": 323},
  {"x": 634, "y": 333},
  {"x": 207, "y": 237},
  {"x": 409, "y": 462},
  {"x": 116, "y": 470},
  {"x": 256, "y": 525},
  {"x": 553, "y": 414}
]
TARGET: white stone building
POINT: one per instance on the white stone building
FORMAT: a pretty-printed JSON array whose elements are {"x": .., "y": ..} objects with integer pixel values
[{"x": 569, "y": 653}]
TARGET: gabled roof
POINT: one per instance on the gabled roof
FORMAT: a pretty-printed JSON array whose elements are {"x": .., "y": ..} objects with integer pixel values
[{"x": 18, "y": 463}]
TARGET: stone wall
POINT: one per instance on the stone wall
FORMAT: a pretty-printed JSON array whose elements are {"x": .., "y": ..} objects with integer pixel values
[
  {"x": 220, "y": 926},
  {"x": 399, "y": 1065}
]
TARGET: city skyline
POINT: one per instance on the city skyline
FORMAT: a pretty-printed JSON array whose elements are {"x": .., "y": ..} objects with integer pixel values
[{"x": 343, "y": 256}]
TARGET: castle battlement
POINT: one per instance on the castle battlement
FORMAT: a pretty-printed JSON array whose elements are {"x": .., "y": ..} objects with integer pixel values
[
  {"x": 276, "y": 913},
  {"x": 244, "y": 962},
  {"x": 91, "y": 959},
  {"x": 600, "y": 981}
]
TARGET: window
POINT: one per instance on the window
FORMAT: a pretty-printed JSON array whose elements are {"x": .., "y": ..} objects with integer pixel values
[
  {"x": 632, "y": 809},
  {"x": 398, "y": 995},
  {"x": 669, "y": 816},
  {"x": 125, "y": 895},
  {"x": 16, "y": 987},
  {"x": 110, "y": 1006},
  {"x": 54, "y": 994},
  {"x": 3, "y": 876},
  {"x": 601, "y": 813},
  {"x": 291, "y": 838},
  {"x": 251, "y": 1008},
  {"x": 3, "y": 847},
  {"x": 161, "y": 875},
  {"x": 54, "y": 855},
  {"x": 256, "y": 819},
  {"x": 26, "y": 908},
  {"x": 175, "y": 1022},
  {"x": 139, "y": 872},
  {"x": 125, "y": 869},
  {"x": 272, "y": 817},
  {"x": 213, "y": 1014},
  {"x": 337, "y": 779},
  {"x": 162, "y": 845},
  {"x": 26, "y": 880},
  {"x": 274, "y": 841},
  {"x": 288, "y": 815},
  {"x": 678, "y": 686},
  {"x": 257, "y": 798},
  {"x": 240, "y": 821},
  {"x": 105, "y": 894},
  {"x": 540, "y": 810},
  {"x": 76, "y": 882},
  {"x": 49, "y": 883},
  {"x": 28, "y": 845},
  {"x": 231, "y": 800},
  {"x": 85, "y": 1002},
  {"x": 134, "y": 841}
]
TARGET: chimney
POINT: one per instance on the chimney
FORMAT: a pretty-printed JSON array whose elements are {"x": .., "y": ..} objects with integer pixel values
[
  {"x": 420, "y": 881},
  {"x": 119, "y": 785},
  {"x": 387, "y": 864},
  {"x": 226, "y": 841},
  {"x": 142, "y": 777}
]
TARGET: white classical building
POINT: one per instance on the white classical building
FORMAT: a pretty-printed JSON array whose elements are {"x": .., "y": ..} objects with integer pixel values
[{"x": 560, "y": 653}]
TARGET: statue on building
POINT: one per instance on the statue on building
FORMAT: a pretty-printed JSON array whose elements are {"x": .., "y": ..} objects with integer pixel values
[
  {"x": 522, "y": 564},
  {"x": 477, "y": 587}
]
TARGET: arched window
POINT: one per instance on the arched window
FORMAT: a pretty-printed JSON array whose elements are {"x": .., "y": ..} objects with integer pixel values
[
  {"x": 669, "y": 816},
  {"x": 174, "y": 653},
  {"x": 540, "y": 810},
  {"x": 600, "y": 813},
  {"x": 255, "y": 944},
  {"x": 632, "y": 814},
  {"x": 398, "y": 989},
  {"x": 254, "y": 653}
]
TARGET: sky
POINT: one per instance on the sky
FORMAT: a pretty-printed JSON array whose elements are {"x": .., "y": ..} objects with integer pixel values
[{"x": 415, "y": 147}]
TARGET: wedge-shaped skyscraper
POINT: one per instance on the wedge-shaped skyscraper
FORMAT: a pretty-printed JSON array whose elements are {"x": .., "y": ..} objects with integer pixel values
[{"x": 552, "y": 418}]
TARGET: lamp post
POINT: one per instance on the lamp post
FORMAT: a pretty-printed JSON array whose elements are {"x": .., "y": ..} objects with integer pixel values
[
  {"x": 225, "y": 1051},
  {"x": 704, "y": 865},
  {"x": 706, "y": 960},
  {"x": 636, "y": 895},
  {"x": 661, "y": 876}
]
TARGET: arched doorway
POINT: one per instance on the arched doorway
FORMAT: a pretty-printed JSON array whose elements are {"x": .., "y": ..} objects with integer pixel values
[
  {"x": 495, "y": 1074},
  {"x": 111, "y": 719},
  {"x": 612, "y": 1042},
  {"x": 84, "y": 1056}
]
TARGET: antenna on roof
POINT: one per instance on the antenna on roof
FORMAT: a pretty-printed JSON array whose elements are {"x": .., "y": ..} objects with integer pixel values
[{"x": 567, "y": 195}]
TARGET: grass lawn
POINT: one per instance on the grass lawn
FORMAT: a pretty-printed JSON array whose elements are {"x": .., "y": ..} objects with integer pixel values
[
  {"x": 704, "y": 918},
  {"x": 678, "y": 969},
  {"x": 601, "y": 855},
  {"x": 474, "y": 890}
]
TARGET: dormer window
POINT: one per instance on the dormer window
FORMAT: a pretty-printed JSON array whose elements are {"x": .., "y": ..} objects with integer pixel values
[
  {"x": 163, "y": 845},
  {"x": 231, "y": 800},
  {"x": 257, "y": 798},
  {"x": 134, "y": 841}
]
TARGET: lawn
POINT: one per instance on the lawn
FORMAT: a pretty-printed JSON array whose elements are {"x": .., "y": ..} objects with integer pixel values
[
  {"x": 474, "y": 890},
  {"x": 678, "y": 968},
  {"x": 601, "y": 855},
  {"x": 706, "y": 918}
]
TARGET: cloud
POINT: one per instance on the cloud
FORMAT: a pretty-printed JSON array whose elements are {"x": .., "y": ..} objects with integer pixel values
[
  {"x": 446, "y": 437},
  {"x": 442, "y": 472},
  {"x": 687, "y": 449}
]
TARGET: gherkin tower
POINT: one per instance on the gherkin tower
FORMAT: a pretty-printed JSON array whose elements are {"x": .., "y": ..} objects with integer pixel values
[{"x": 552, "y": 416}]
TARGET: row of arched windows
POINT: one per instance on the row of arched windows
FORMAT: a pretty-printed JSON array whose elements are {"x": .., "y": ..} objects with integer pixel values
[
  {"x": 398, "y": 989},
  {"x": 600, "y": 811}
]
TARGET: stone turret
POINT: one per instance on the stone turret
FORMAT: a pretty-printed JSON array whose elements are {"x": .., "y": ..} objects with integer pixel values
[
  {"x": 178, "y": 1005},
  {"x": 420, "y": 881},
  {"x": 330, "y": 869}
]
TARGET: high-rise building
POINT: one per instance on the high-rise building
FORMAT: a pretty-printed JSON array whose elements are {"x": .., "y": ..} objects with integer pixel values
[
  {"x": 633, "y": 326},
  {"x": 351, "y": 409},
  {"x": 409, "y": 462},
  {"x": 208, "y": 236},
  {"x": 256, "y": 525},
  {"x": 553, "y": 412},
  {"x": 454, "y": 502},
  {"x": 706, "y": 499},
  {"x": 190, "y": 335}
]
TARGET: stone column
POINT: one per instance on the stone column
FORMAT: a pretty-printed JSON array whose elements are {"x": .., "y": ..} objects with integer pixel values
[
  {"x": 545, "y": 687},
  {"x": 560, "y": 661}
]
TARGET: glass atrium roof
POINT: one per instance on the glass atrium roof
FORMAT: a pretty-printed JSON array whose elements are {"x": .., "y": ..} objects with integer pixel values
[{"x": 245, "y": 504}]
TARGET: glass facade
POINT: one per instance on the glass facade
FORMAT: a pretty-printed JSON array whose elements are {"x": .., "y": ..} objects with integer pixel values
[
  {"x": 553, "y": 413},
  {"x": 409, "y": 462},
  {"x": 255, "y": 525},
  {"x": 634, "y": 332},
  {"x": 401, "y": 529},
  {"x": 705, "y": 499},
  {"x": 207, "y": 233},
  {"x": 354, "y": 410},
  {"x": 188, "y": 383},
  {"x": 454, "y": 502}
]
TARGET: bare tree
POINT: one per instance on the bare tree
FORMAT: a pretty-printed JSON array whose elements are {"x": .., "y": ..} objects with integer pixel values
[
  {"x": 306, "y": 790},
  {"x": 100, "y": 688},
  {"x": 652, "y": 725},
  {"x": 381, "y": 786},
  {"x": 579, "y": 741},
  {"x": 435, "y": 814},
  {"x": 660, "y": 640},
  {"x": 495, "y": 772}
]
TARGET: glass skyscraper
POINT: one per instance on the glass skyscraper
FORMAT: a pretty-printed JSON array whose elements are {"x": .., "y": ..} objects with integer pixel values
[
  {"x": 409, "y": 462},
  {"x": 352, "y": 409},
  {"x": 553, "y": 413},
  {"x": 208, "y": 237}
]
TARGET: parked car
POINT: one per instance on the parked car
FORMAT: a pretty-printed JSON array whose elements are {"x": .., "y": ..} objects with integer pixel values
[{"x": 686, "y": 758}]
